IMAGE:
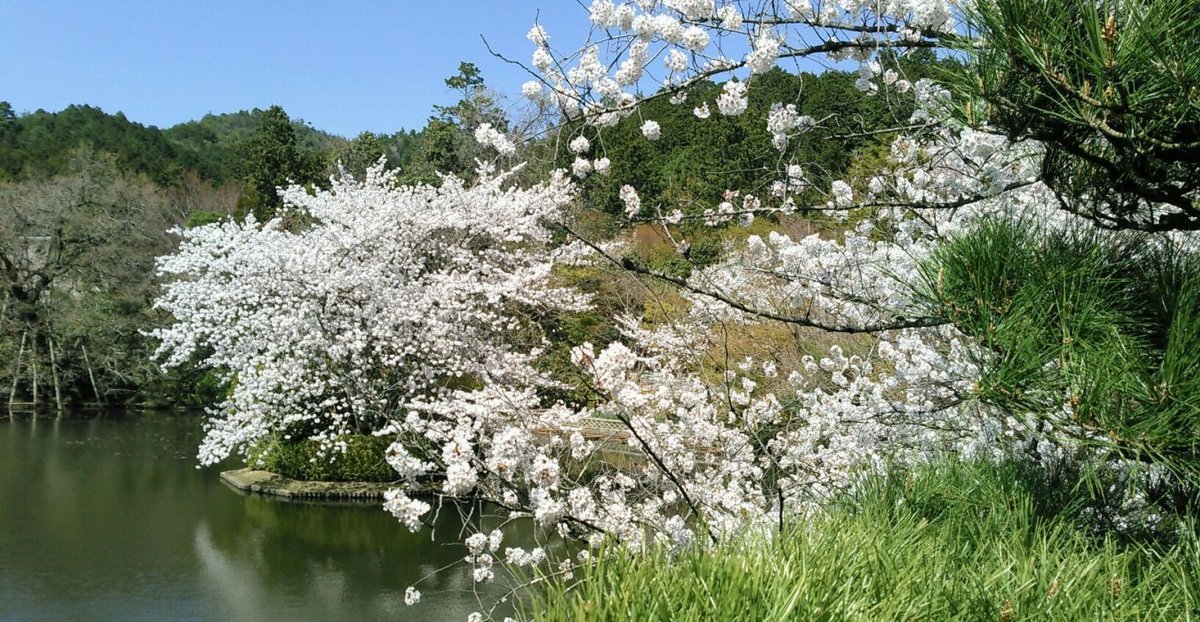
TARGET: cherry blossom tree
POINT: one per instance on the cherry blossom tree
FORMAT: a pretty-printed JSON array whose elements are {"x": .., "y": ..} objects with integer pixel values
[
  {"x": 391, "y": 294},
  {"x": 708, "y": 451},
  {"x": 734, "y": 447},
  {"x": 397, "y": 307}
]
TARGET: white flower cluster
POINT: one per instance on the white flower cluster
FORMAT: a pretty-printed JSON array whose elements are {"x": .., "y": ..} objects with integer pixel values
[
  {"x": 394, "y": 306},
  {"x": 715, "y": 449},
  {"x": 580, "y": 144},
  {"x": 732, "y": 101},
  {"x": 783, "y": 122},
  {"x": 489, "y": 136},
  {"x": 407, "y": 510},
  {"x": 766, "y": 51},
  {"x": 676, "y": 61},
  {"x": 683, "y": 34},
  {"x": 731, "y": 17},
  {"x": 867, "y": 72},
  {"x": 308, "y": 323},
  {"x": 651, "y": 130},
  {"x": 582, "y": 166},
  {"x": 692, "y": 9},
  {"x": 633, "y": 203},
  {"x": 532, "y": 89}
]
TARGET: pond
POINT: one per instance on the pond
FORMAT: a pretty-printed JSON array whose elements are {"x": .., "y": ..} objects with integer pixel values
[{"x": 109, "y": 518}]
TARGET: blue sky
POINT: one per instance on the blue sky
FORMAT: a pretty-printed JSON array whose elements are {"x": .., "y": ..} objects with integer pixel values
[{"x": 345, "y": 67}]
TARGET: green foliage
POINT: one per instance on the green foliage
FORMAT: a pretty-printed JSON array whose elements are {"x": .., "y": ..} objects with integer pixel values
[
  {"x": 79, "y": 251},
  {"x": 476, "y": 106},
  {"x": 271, "y": 160},
  {"x": 564, "y": 330},
  {"x": 1110, "y": 87},
  {"x": 705, "y": 251},
  {"x": 40, "y": 144},
  {"x": 696, "y": 161},
  {"x": 1107, "y": 322},
  {"x": 185, "y": 387},
  {"x": 949, "y": 542},
  {"x": 217, "y": 140},
  {"x": 200, "y": 218},
  {"x": 356, "y": 156},
  {"x": 95, "y": 305},
  {"x": 233, "y": 127},
  {"x": 362, "y": 461},
  {"x": 447, "y": 144}
]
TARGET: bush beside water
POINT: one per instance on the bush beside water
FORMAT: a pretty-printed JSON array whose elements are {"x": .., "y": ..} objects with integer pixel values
[{"x": 362, "y": 461}]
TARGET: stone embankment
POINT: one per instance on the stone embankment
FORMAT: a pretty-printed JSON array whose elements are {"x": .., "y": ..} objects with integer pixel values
[
  {"x": 610, "y": 435},
  {"x": 268, "y": 483}
]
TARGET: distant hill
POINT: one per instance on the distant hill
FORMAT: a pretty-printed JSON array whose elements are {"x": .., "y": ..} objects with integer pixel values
[
  {"x": 215, "y": 136},
  {"x": 232, "y": 126},
  {"x": 39, "y": 143}
]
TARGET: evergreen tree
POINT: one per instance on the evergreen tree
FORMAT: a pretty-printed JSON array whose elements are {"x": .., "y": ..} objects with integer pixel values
[
  {"x": 1110, "y": 88},
  {"x": 271, "y": 160},
  {"x": 447, "y": 142}
]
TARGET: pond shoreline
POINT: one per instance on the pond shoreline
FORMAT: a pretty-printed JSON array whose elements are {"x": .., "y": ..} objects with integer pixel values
[
  {"x": 148, "y": 536},
  {"x": 268, "y": 483}
]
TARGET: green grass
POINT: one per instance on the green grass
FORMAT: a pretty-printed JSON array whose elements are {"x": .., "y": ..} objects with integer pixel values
[{"x": 952, "y": 542}]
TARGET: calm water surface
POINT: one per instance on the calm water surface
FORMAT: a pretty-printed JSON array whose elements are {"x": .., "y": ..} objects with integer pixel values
[{"x": 108, "y": 518}]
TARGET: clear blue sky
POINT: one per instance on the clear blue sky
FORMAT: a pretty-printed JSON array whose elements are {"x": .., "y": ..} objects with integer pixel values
[{"x": 343, "y": 66}]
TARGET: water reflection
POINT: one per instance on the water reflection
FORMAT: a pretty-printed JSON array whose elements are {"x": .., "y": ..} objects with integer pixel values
[{"x": 108, "y": 518}]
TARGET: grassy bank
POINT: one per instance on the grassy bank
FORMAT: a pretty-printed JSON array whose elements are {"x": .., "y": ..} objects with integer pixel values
[{"x": 953, "y": 542}]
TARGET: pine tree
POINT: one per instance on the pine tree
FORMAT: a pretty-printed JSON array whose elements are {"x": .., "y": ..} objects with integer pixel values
[{"x": 271, "y": 160}]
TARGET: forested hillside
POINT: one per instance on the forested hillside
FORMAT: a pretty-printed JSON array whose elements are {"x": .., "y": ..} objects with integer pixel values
[
  {"x": 89, "y": 198},
  {"x": 703, "y": 326},
  {"x": 693, "y": 164},
  {"x": 66, "y": 173},
  {"x": 90, "y": 195},
  {"x": 38, "y": 144}
]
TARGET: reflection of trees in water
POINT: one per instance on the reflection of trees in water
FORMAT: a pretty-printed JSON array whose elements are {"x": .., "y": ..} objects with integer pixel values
[
  {"x": 98, "y": 516},
  {"x": 91, "y": 488},
  {"x": 242, "y": 591},
  {"x": 112, "y": 510},
  {"x": 336, "y": 560}
]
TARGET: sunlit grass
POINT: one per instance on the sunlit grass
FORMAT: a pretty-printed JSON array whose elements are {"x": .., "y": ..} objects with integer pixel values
[{"x": 973, "y": 542}]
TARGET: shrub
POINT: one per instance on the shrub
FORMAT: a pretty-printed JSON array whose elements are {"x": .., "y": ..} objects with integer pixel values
[{"x": 362, "y": 461}]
